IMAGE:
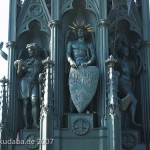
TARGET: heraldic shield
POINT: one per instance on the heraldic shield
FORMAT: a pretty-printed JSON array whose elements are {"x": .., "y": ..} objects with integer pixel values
[{"x": 82, "y": 84}]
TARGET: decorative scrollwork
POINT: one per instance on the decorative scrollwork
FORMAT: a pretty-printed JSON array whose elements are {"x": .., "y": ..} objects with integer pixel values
[
  {"x": 81, "y": 126},
  {"x": 65, "y": 6},
  {"x": 103, "y": 22},
  {"x": 53, "y": 23},
  {"x": 31, "y": 141},
  {"x": 129, "y": 140},
  {"x": 35, "y": 10},
  {"x": 10, "y": 44},
  {"x": 44, "y": 109},
  {"x": 111, "y": 61}
]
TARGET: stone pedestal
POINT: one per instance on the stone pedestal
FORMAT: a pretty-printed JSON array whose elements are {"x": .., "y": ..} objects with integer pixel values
[
  {"x": 28, "y": 140},
  {"x": 79, "y": 133},
  {"x": 132, "y": 139},
  {"x": 94, "y": 139},
  {"x": 80, "y": 124}
]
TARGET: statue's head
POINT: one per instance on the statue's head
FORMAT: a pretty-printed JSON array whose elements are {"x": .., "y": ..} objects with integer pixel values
[
  {"x": 33, "y": 49},
  {"x": 125, "y": 51},
  {"x": 80, "y": 32},
  {"x": 81, "y": 29},
  {"x": 123, "y": 46}
]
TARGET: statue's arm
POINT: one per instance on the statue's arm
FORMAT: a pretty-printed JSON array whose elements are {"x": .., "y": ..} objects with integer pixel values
[
  {"x": 138, "y": 70},
  {"x": 139, "y": 66},
  {"x": 1, "y": 45},
  {"x": 118, "y": 66},
  {"x": 21, "y": 67},
  {"x": 47, "y": 61},
  {"x": 92, "y": 54},
  {"x": 68, "y": 55}
]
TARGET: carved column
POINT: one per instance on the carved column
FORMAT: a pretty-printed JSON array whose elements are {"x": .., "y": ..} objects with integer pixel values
[
  {"x": 12, "y": 100},
  {"x": 145, "y": 75},
  {"x": 55, "y": 55},
  {"x": 113, "y": 112},
  {"x": 56, "y": 77},
  {"x": 102, "y": 55},
  {"x": 12, "y": 20},
  {"x": 11, "y": 70},
  {"x": 55, "y": 9},
  {"x": 55, "y": 70},
  {"x": 46, "y": 115}
]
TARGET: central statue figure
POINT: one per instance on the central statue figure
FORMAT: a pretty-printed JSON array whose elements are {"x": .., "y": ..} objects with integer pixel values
[{"x": 81, "y": 54}]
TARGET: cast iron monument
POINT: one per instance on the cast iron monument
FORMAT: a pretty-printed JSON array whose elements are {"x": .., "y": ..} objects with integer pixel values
[{"x": 80, "y": 101}]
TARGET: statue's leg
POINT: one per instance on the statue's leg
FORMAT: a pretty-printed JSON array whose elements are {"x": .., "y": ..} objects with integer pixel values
[
  {"x": 133, "y": 111},
  {"x": 35, "y": 111},
  {"x": 125, "y": 88},
  {"x": 26, "y": 111}
]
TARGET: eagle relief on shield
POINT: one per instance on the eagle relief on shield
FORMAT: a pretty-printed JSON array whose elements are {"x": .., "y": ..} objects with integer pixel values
[{"x": 82, "y": 84}]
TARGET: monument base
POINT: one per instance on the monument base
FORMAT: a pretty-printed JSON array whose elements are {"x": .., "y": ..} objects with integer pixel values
[
  {"x": 28, "y": 140},
  {"x": 95, "y": 139},
  {"x": 132, "y": 139},
  {"x": 80, "y": 133}
]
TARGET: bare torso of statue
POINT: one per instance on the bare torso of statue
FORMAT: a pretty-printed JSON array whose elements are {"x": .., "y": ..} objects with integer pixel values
[
  {"x": 80, "y": 52},
  {"x": 128, "y": 70}
]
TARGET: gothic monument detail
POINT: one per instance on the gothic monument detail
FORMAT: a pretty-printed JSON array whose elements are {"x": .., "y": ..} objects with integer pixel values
[
  {"x": 28, "y": 70},
  {"x": 83, "y": 77}
]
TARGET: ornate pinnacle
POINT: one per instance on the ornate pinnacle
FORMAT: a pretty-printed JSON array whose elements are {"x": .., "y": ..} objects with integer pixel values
[{"x": 111, "y": 61}]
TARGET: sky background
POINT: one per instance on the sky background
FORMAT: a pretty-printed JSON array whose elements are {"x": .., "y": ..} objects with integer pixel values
[
  {"x": 4, "y": 17},
  {"x": 4, "y": 11}
]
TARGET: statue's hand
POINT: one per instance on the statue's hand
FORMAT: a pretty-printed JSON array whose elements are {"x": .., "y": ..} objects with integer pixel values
[
  {"x": 19, "y": 63},
  {"x": 73, "y": 64},
  {"x": 20, "y": 66},
  {"x": 47, "y": 61},
  {"x": 84, "y": 64},
  {"x": 1, "y": 45},
  {"x": 16, "y": 63}
]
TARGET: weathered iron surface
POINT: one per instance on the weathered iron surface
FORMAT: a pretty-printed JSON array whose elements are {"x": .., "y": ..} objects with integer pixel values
[{"x": 82, "y": 84}]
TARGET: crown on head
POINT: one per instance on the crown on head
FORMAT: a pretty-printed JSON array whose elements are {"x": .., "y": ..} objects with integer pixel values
[{"x": 76, "y": 26}]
